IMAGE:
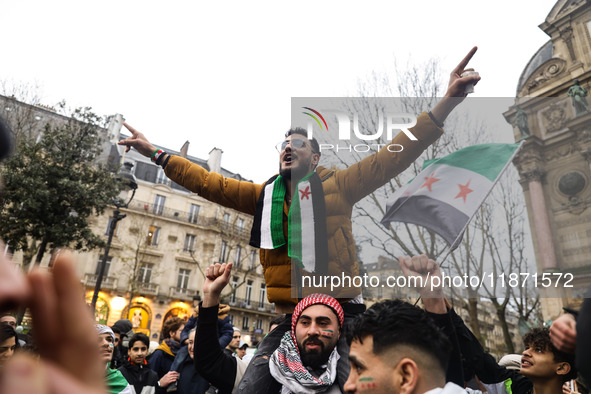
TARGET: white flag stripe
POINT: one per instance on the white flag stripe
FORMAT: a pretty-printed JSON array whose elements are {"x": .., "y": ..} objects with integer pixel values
[
  {"x": 307, "y": 226},
  {"x": 266, "y": 238},
  {"x": 447, "y": 188}
]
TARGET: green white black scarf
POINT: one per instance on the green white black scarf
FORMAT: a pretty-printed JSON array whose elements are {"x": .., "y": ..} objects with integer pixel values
[{"x": 307, "y": 240}]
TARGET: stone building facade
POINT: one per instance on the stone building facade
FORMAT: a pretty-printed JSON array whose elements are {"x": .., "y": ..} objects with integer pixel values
[
  {"x": 161, "y": 249},
  {"x": 554, "y": 163}
]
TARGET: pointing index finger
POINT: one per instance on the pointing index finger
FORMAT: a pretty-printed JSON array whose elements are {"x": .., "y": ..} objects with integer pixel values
[
  {"x": 134, "y": 132},
  {"x": 465, "y": 61}
]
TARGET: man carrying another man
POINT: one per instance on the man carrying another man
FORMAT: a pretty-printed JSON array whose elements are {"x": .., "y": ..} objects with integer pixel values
[
  {"x": 306, "y": 359},
  {"x": 333, "y": 192}
]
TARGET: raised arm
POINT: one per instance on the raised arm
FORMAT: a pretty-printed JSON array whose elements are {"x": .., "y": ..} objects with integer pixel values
[
  {"x": 456, "y": 90},
  {"x": 428, "y": 280},
  {"x": 210, "y": 360}
]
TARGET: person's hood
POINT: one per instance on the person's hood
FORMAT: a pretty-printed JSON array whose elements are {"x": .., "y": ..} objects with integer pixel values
[
  {"x": 223, "y": 311},
  {"x": 123, "y": 325}
]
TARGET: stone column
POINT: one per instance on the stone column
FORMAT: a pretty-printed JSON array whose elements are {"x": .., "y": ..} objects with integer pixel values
[{"x": 540, "y": 218}]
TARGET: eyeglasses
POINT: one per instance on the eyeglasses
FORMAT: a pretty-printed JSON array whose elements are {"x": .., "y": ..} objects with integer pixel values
[{"x": 295, "y": 143}]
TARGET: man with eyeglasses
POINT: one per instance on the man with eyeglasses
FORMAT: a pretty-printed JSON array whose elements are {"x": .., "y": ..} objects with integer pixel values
[{"x": 307, "y": 204}]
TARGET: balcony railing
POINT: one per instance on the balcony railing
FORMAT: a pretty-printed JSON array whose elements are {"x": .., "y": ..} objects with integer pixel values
[
  {"x": 182, "y": 293},
  {"x": 192, "y": 218},
  {"x": 109, "y": 282},
  {"x": 251, "y": 305},
  {"x": 145, "y": 287}
]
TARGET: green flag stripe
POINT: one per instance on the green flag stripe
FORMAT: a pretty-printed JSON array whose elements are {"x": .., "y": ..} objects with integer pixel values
[
  {"x": 486, "y": 159},
  {"x": 277, "y": 212}
]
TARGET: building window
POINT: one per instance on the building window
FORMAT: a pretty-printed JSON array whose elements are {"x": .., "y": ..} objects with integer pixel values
[
  {"x": 245, "y": 323},
  {"x": 248, "y": 291},
  {"x": 262, "y": 295},
  {"x": 259, "y": 323},
  {"x": 107, "y": 266},
  {"x": 145, "y": 272},
  {"x": 153, "y": 235},
  {"x": 223, "y": 252},
  {"x": 226, "y": 223},
  {"x": 189, "y": 243},
  {"x": 241, "y": 225},
  {"x": 231, "y": 316},
  {"x": 193, "y": 213},
  {"x": 159, "y": 204},
  {"x": 183, "y": 278},
  {"x": 237, "y": 257},
  {"x": 162, "y": 178},
  {"x": 234, "y": 284},
  {"x": 253, "y": 256}
]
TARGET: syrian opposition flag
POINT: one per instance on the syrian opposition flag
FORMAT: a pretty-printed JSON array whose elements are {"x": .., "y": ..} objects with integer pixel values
[{"x": 448, "y": 191}]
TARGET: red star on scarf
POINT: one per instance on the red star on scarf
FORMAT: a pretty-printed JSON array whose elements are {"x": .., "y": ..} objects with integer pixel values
[
  {"x": 464, "y": 190},
  {"x": 305, "y": 193},
  {"x": 429, "y": 181}
]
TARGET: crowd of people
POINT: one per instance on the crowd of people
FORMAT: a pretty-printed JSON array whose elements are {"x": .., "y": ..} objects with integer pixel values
[{"x": 318, "y": 343}]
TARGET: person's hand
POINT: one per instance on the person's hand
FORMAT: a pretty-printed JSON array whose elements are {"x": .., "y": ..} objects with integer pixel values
[
  {"x": 457, "y": 83},
  {"x": 428, "y": 280},
  {"x": 65, "y": 336},
  {"x": 563, "y": 333},
  {"x": 137, "y": 141},
  {"x": 14, "y": 288},
  {"x": 566, "y": 387},
  {"x": 170, "y": 377},
  {"x": 217, "y": 277},
  {"x": 62, "y": 322}
]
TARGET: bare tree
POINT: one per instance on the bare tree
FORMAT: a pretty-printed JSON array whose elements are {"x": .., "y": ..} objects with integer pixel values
[{"x": 494, "y": 239}]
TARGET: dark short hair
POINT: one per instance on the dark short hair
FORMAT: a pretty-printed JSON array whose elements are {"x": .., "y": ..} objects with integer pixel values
[
  {"x": 116, "y": 330},
  {"x": 143, "y": 338},
  {"x": 171, "y": 325},
  {"x": 7, "y": 332},
  {"x": 539, "y": 339},
  {"x": 394, "y": 322},
  {"x": 304, "y": 132}
]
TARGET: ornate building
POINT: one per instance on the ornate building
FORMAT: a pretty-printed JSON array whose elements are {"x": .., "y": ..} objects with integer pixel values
[
  {"x": 161, "y": 249},
  {"x": 551, "y": 114}
]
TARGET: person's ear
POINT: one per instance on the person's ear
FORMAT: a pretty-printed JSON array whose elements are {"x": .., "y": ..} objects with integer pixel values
[
  {"x": 315, "y": 159},
  {"x": 406, "y": 375},
  {"x": 563, "y": 368}
]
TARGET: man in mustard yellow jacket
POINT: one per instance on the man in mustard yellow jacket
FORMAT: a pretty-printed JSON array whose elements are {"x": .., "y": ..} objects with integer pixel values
[{"x": 271, "y": 204}]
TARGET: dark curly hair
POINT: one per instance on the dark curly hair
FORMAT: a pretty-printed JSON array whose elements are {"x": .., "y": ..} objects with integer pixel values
[
  {"x": 7, "y": 332},
  {"x": 539, "y": 339},
  {"x": 171, "y": 325},
  {"x": 395, "y": 322}
]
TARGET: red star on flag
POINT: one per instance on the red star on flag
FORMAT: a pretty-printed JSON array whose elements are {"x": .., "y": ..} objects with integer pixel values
[
  {"x": 429, "y": 181},
  {"x": 305, "y": 193},
  {"x": 464, "y": 190}
]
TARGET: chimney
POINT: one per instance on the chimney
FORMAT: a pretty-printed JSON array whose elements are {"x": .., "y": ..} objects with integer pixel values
[
  {"x": 114, "y": 127},
  {"x": 215, "y": 160},
  {"x": 184, "y": 150}
]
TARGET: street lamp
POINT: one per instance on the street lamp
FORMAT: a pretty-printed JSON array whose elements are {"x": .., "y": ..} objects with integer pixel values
[{"x": 129, "y": 185}]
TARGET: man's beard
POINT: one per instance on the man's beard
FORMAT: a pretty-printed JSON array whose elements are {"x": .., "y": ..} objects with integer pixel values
[
  {"x": 317, "y": 358},
  {"x": 294, "y": 173}
]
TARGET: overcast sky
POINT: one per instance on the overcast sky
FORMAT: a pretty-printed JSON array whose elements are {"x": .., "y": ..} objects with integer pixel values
[{"x": 221, "y": 74}]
